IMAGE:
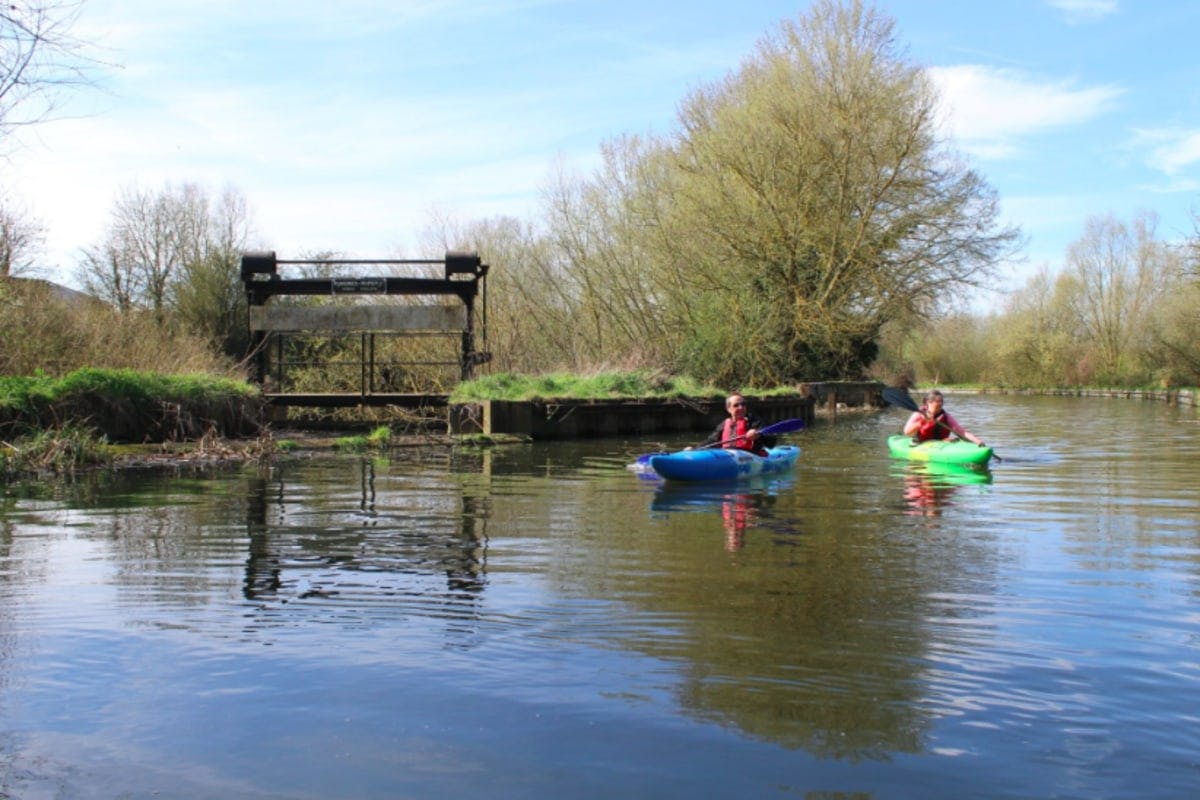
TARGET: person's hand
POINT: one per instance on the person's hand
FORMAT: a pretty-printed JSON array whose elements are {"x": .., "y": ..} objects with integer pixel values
[
  {"x": 752, "y": 433},
  {"x": 982, "y": 443}
]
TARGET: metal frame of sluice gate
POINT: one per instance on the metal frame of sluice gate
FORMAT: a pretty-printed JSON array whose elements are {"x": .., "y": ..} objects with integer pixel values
[{"x": 463, "y": 277}]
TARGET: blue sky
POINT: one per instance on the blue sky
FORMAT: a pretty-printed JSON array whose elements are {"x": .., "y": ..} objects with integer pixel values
[{"x": 347, "y": 124}]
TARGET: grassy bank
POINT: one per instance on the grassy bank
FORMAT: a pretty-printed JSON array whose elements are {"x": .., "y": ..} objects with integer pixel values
[
  {"x": 598, "y": 386},
  {"x": 122, "y": 405}
]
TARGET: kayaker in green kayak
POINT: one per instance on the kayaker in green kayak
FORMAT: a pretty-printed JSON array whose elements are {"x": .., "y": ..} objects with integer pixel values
[
  {"x": 932, "y": 421},
  {"x": 740, "y": 430}
]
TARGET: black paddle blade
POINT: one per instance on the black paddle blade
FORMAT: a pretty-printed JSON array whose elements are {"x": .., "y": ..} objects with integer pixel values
[{"x": 899, "y": 397}]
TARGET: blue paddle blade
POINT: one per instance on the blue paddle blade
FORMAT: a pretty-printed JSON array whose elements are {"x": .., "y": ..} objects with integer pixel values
[{"x": 785, "y": 426}]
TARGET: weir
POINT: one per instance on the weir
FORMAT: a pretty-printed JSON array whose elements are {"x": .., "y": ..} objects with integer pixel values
[{"x": 377, "y": 339}]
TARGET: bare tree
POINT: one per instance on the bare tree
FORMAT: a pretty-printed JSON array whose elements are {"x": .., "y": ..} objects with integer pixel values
[
  {"x": 530, "y": 318},
  {"x": 1192, "y": 248},
  {"x": 171, "y": 250},
  {"x": 1122, "y": 272},
  {"x": 104, "y": 273},
  {"x": 40, "y": 59},
  {"x": 147, "y": 236},
  {"x": 207, "y": 295},
  {"x": 21, "y": 239}
]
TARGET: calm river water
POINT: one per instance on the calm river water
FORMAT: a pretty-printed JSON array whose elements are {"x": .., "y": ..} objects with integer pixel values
[{"x": 539, "y": 621}]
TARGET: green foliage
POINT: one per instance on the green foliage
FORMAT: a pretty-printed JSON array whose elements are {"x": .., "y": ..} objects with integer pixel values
[
  {"x": 563, "y": 386},
  {"x": 209, "y": 301},
  {"x": 1172, "y": 347},
  {"x": 800, "y": 205},
  {"x": 812, "y": 203},
  {"x": 951, "y": 350},
  {"x": 378, "y": 439},
  {"x": 127, "y": 405},
  {"x": 1125, "y": 311}
]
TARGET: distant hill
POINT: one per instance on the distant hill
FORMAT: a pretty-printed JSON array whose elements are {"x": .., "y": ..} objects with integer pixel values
[{"x": 56, "y": 290}]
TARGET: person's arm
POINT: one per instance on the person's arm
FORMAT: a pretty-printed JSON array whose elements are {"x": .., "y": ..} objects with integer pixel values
[
  {"x": 715, "y": 436},
  {"x": 753, "y": 423},
  {"x": 914, "y": 423},
  {"x": 758, "y": 439},
  {"x": 960, "y": 431}
]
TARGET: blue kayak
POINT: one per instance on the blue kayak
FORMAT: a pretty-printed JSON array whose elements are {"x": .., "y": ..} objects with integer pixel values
[{"x": 723, "y": 464}]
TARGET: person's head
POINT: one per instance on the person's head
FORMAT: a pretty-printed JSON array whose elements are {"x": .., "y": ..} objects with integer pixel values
[
  {"x": 934, "y": 400},
  {"x": 735, "y": 404}
]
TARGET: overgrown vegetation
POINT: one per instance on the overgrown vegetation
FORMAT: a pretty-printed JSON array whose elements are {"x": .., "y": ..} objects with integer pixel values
[
  {"x": 124, "y": 405},
  {"x": 562, "y": 385},
  {"x": 45, "y": 330},
  {"x": 59, "y": 451},
  {"x": 1124, "y": 312}
]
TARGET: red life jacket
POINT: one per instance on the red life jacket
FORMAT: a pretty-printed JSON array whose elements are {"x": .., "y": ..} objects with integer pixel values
[
  {"x": 734, "y": 434},
  {"x": 930, "y": 429}
]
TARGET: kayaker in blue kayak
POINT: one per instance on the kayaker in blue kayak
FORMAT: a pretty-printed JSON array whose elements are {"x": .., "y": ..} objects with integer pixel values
[
  {"x": 740, "y": 430},
  {"x": 932, "y": 421}
]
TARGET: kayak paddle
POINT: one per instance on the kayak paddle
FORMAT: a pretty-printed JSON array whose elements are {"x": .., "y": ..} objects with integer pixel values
[
  {"x": 783, "y": 426},
  {"x": 899, "y": 397}
]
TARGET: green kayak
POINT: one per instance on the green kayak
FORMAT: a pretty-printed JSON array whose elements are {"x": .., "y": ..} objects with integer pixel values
[{"x": 942, "y": 451}]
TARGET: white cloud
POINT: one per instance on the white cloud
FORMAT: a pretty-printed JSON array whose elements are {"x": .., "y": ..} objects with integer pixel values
[
  {"x": 1170, "y": 150},
  {"x": 989, "y": 110},
  {"x": 1085, "y": 10}
]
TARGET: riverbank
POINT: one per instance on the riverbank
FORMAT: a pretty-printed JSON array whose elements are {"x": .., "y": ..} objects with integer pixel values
[
  {"x": 127, "y": 406},
  {"x": 97, "y": 419},
  {"x": 1176, "y": 397}
]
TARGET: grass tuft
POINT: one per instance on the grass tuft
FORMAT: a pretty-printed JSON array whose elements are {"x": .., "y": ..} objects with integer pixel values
[{"x": 59, "y": 451}]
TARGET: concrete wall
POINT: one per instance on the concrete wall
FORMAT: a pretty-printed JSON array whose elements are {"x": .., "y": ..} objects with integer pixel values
[
  {"x": 566, "y": 419},
  {"x": 1181, "y": 397}
]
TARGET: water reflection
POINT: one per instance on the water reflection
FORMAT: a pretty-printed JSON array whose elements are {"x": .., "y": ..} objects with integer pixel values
[
  {"x": 302, "y": 546},
  {"x": 930, "y": 487},
  {"x": 540, "y": 611},
  {"x": 739, "y": 504}
]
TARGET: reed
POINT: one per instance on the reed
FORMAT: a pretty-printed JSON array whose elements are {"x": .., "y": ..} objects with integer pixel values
[{"x": 60, "y": 451}]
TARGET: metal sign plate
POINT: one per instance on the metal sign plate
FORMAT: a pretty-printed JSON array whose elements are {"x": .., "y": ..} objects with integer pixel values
[{"x": 359, "y": 285}]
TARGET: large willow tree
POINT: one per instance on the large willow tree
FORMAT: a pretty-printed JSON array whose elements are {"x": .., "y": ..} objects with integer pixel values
[{"x": 809, "y": 201}]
